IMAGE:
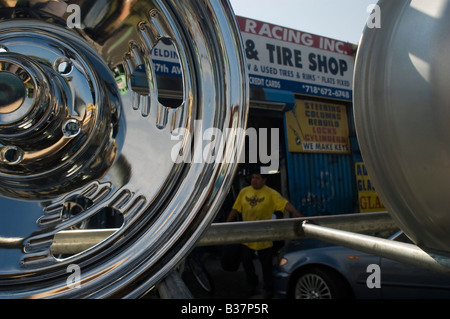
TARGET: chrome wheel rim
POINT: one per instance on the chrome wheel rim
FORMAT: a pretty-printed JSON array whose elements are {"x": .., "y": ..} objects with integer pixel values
[{"x": 100, "y": 144}]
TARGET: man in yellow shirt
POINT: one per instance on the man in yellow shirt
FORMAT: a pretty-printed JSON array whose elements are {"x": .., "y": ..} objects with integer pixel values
[{"x": 259, "y": 202}]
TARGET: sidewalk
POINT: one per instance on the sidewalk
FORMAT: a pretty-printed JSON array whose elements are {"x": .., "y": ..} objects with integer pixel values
[{"x": 226, "y": 284}]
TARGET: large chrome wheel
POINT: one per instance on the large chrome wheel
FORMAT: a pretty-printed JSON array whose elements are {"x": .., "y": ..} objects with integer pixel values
[
  {"x": 401, "y": 102},
  {"x": 93, "y": 136}
]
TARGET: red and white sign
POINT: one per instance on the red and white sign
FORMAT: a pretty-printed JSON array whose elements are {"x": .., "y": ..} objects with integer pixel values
[{"x": 292, "y": 60}]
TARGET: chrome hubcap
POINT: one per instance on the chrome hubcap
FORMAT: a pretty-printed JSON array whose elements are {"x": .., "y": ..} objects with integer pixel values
[{"x": 59, "y": 111}]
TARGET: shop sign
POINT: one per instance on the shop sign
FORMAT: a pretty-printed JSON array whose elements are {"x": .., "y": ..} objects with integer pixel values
[
  {"x": 369, "y": 201},
  {"x": 296, "y": 61},
  {"x": 318, "y": 127}
]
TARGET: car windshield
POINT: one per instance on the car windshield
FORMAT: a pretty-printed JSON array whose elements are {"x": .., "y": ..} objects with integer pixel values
[
  {"x": 386, "y": 234},
  {"x": 400, "y": 236}
]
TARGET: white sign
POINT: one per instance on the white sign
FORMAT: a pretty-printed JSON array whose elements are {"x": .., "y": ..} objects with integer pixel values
[{"x": 291, "y": 60}]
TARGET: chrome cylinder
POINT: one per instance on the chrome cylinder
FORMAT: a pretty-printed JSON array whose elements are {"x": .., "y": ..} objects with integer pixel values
[{"x": 401, "y": 103}]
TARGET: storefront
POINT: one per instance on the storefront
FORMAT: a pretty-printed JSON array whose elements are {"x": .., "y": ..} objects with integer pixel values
[
  {"x": 301, "y": 83},
  {"x": 301, "y": 111}
]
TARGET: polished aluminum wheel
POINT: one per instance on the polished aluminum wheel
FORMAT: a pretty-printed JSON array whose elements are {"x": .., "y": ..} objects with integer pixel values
[
  {"x": 91, "y": 136},
  {"x": 401, "y": 101}
]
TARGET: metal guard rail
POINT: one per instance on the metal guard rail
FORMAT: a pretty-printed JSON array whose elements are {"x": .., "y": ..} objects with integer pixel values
[
  {"x": 345, "y": 230},
  {"x": 348, "y": 230}
]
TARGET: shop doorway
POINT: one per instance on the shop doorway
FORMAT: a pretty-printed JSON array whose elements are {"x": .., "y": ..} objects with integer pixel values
[
  {"x": 271, "y": 122},
  {"x": 261, "y": 121}
]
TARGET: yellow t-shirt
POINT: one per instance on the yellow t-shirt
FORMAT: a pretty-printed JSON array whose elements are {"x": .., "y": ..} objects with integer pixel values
[{"x": 259, "y": 204}]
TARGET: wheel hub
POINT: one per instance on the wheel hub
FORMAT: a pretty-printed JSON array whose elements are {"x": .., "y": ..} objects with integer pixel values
[
  {"x": 56, "y": 115},
  {"x": 12, "y": 92}
]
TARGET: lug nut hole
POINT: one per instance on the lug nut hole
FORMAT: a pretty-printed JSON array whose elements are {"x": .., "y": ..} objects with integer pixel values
[
  {"x": 63, "y": 66},
  {"x": 12, "y": 154},
  {"x": 71, "y": 128}
]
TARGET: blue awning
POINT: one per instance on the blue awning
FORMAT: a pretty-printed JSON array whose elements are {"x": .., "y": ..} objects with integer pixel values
[{"x": 273, "y": 96}]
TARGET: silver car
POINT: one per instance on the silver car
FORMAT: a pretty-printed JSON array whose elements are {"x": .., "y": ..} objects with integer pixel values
[{"x": 312, "y": 269}]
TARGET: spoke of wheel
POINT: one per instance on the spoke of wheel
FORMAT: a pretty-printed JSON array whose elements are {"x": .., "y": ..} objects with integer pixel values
[{"x": 312, "y": 286}]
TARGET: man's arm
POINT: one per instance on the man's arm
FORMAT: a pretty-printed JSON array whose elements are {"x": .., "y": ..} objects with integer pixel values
[
  {"x": 232, "y": 215},
  {"x": 291, "y": 209}
]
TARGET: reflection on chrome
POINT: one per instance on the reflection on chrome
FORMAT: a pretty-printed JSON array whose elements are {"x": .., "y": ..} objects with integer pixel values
[
  {"x": 86, "y": 127},
  {"x": 401, "y": 101}
]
